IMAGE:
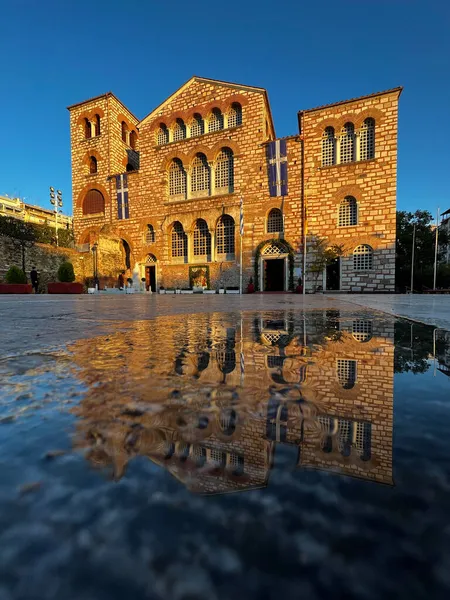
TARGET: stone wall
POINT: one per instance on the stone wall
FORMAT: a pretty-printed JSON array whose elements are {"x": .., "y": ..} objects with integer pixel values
[{"x": 45, "y": 258}]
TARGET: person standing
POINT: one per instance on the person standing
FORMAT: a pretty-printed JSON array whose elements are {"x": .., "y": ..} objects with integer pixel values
[
  {"x": 121, "y": 280},
  {"x": 34, "y": 279}
]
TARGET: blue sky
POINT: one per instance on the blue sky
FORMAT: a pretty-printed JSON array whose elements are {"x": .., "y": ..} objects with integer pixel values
[{"x": 57, "y": 52}]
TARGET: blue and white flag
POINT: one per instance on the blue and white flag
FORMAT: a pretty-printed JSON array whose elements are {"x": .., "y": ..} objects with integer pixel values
[
  {"x": 122, "y": 196},
  {"x": 277, "y": 168},
  {"x": 241, "y": 217}
]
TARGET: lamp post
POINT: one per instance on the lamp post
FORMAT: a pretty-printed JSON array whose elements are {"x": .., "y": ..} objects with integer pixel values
[{"x": 57, "y": 203}]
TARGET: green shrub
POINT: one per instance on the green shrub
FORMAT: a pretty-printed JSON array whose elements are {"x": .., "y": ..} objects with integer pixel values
[
  {"x": 66, "y": 273},
  {"x": 15, "y": 275}
]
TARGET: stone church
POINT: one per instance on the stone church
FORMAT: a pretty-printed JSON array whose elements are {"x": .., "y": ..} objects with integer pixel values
[{"x": 178, "y": 197}]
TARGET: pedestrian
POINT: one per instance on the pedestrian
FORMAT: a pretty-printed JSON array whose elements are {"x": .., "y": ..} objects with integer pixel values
[
  {"x": 34, "y": 279},
  {"x": 121, "y": 280}
]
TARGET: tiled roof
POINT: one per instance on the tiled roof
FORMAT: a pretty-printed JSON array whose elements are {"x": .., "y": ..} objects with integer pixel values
[
  {"x": 98, "y": 98},
  {"x": 397, "y": 89}
]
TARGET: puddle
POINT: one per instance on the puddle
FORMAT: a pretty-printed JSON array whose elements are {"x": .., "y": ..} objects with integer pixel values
[{"x": 215, "y": 455}]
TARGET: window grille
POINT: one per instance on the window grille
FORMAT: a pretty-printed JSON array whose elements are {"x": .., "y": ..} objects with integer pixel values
[
  {"x": 92, "y": 164},
  {"x": 218, "y": 457},
  {"x": 274, "y": 362},
  {"x": 348, "y": 212},
  {"x": 328, "y": 147},
  {"x": 197, "y": 126},
  {"x": 226, "y": 359},
  {"x": 151, "y": 259},
  {"x": 179, "y": 241},
  {"x": 362, "y": 330},
  {"x": 346, "y": 371},
  {"x": 200, "y": 174},
  {"x": 236, "y": 462},
  {"x": 348, "y": 143},
  {"x": 199, "y": 455},
  {"x": 224, "y": 170},
  {"x": 225, "y": 235},
  {"x": 363, "y": 439},
  {"x": 150, "y": 235},
  {"x": 345, "y": 436},
  {"x": 363, "y": 258},
  {"x": 227, "y": 421},
  {"x": 274, "y": 250},
  {"x": 202, "y": 238},
  {"x": 163, "y": 136},
  {"x": 275, "y": 221},
  {"x": 177, "y": 178},
  {"x": 215, "y": 120},
  {"x": 93, "y": 203},
  {"x": 235, "y": 115},
  {"x": 367, "y": 140},
  {"x": 179, "y": 130}
]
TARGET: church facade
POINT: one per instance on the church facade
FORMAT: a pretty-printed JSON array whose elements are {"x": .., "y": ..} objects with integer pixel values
[{"x": 178, "y": 197}]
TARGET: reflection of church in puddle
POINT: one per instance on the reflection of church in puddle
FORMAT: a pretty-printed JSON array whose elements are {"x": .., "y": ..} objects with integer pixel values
[{"x": 213, "y": 399}]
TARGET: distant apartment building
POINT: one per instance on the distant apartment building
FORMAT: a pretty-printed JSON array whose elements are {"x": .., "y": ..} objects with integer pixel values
[{"x": 15, "y": 207}]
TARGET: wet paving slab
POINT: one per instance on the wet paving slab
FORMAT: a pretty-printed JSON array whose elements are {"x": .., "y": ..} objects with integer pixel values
[{"x": 260, "y": 453}]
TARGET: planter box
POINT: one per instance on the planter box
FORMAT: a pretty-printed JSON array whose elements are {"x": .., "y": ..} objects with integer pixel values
[
  {"x": 16, "y": 288},
  {"x": 170, "y": 291},
  {"x": 221, "y": 291},
  {"x": 162, "y": 291},
  {"x": 209, "y": 291},
  {"x": 187, "y": 291},
  {"x": 65, "y": 288},
  {"x": 232, "y": 291}
]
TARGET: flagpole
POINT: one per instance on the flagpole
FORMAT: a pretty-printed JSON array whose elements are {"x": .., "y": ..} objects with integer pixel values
[
  {"x": 241, "y": 231},
  {"x": 412, "y": 259},
  {"x": 436, "y": 250}
]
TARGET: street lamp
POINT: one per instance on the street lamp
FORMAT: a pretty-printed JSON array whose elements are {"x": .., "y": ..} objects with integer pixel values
[{"x": 57, "y": 203}]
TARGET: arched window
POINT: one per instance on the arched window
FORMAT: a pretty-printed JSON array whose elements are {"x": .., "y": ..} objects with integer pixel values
[
  {"x": 179, "y": 130},
  {"x": 235, "y": 115},
  {"x": 179, "y": 241},
  {"x": 225, "y": 235},
  {"x": 150, "y": 235},
  {"x": 224, "y": 171},
  {"x": 87, "y": 129},
  {"x": 163, "y": 135},
  {"x": 348, "y": 143},
  {"x": 124, "y": 132},
  {"x": 133, "y": 139},
  {"x": 362, "y": 330},
  {"x": 328, "y": 147},
  {"x": 367, "y": 140},
  {"x": 177, "y": 178},
  {"x": 97, "y": 124},
  {"x": 93, "y": 203},
  {"x": 200, "y": 175},
  {"x": 275, "y": 221},
  {"x": 197, "y": 125},
  {"x": 346, "y": 372},
  {"x": 363, "y": 258},
  {"x": 92, "y": 164},
  {"x": 202, "y": 238},
  {"x": 348, "y": 212},
  {"x": 215, "y": 120}
]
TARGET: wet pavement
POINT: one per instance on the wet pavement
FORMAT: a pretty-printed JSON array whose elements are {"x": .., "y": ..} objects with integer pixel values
[{"x": 212, "y": 448}]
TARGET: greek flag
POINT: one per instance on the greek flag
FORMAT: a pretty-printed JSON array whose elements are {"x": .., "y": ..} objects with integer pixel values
[
  {"x": 122, "y": 196},
  {"x": 241, "y": 217}
]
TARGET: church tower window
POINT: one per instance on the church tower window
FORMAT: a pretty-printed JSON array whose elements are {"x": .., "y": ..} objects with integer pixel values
[
  {"x": 348, "y": 143},
  {"x": 93, "y": 203},
  {"x": 328, "y": 147},
  {"x": 133, "y": 139},
  {"x": 92, "y": 165},
  {"x": 367, "y": 140}
]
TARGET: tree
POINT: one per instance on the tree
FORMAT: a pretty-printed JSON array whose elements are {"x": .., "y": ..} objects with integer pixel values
[
  {"x": 22, "y": 234},
  {"x": 323, "y": 255},
  {"x": 424, "y": 249}
]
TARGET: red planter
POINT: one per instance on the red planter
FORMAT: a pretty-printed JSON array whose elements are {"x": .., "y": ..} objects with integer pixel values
[
  {"x": 16, "y": 288},
  {"x": 65, "y": 288}
]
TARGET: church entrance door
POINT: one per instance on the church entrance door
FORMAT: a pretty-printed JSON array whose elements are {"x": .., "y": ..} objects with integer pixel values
[
  {"x": 150, "y": 278},
  {"x": 274, "y": 275}
]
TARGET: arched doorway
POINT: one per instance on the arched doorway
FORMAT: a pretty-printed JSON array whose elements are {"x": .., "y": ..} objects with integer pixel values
[
  {"x": 274, "y": 271},
  {"x": 150, "y": 273}
]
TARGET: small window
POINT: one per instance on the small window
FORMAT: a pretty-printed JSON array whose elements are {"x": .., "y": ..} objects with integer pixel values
[
  {"x": 150, "y": 235},
  {"x": 236, "y": 463},
  {"x": 275, "y": 221},
  {"x": 215, "y": 120},
  {"x": 92, "y": 164},
  {"x": 328, "y": 147},
  {"x": 179, "y": 130},
  {"x": 87, "y": 129},
  {"x": 93, "y": 203},
  {"x": 124, "y": 132},
  {"x": 348, "y": 212},
  {"x": 163, "y": 135},
  {"x": 363, "y": 258},
  {"x": 197, "y": 126},
  {"x": 224, "y": 170},
  {"x": 235, "y": 115},
  {"x": 97, "y": 124},
  {"x": 177, "y": 178},
  {"x": 362, "y": 330},
  {"x": 227, "y": 421},
  {"x": 218, "y": 457},
  {"x": 133, "y": 139},
  {"x": 179, "y": 241},
  {"x": 367, "y": 140},
  {"x": 202, "y": 238},
  {"x": 225, "y": 235},
  {"x": 346, "y": 372},
  {"x": 200, "y": 174},
  {"x": 348, "y": 143}
]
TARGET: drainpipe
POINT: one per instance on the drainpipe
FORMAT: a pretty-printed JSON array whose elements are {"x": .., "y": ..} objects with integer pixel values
[{"x": 302, "y": 195}]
